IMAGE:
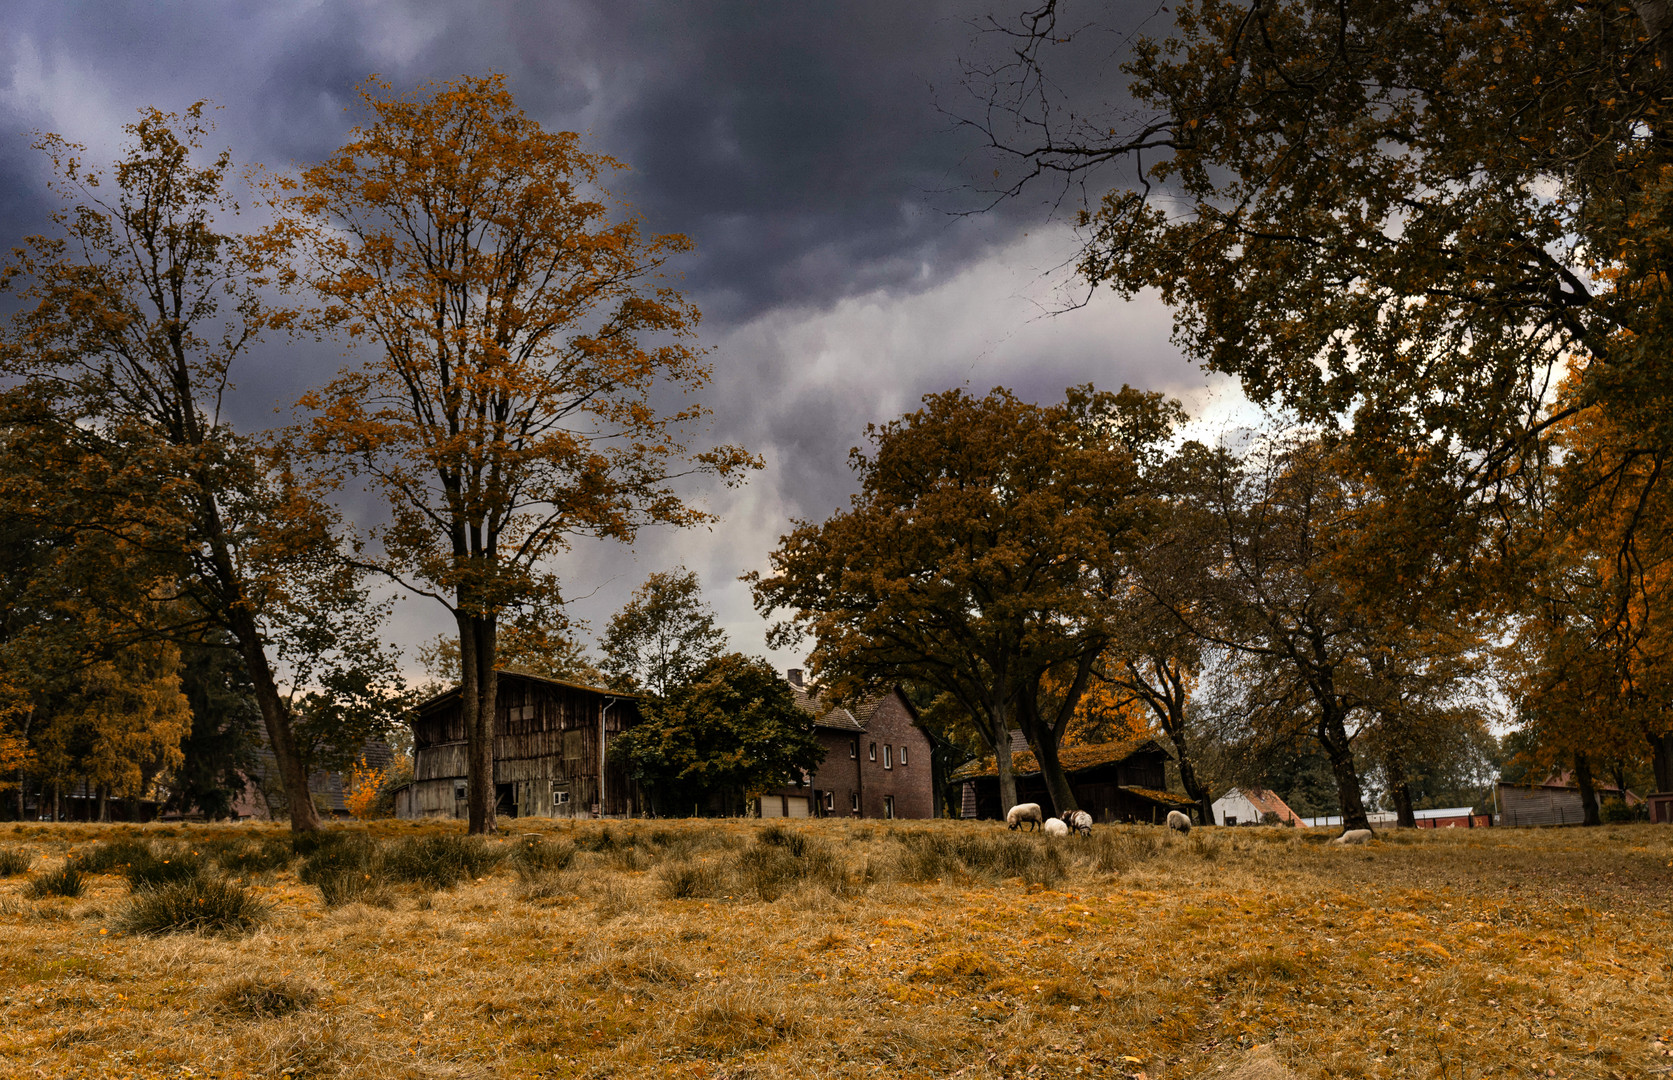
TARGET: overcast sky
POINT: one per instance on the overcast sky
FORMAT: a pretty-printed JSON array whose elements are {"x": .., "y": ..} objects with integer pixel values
[{"x": 806, "y": 147}]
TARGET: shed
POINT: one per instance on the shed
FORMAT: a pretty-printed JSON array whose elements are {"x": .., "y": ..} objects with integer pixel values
[
  {"x": 1249, "y": 806},
  {"x": 1124, "y": 780},
  {"x": 550, "y": 743}
]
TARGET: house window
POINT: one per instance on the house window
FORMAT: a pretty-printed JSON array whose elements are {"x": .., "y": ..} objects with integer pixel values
[
  {"x": 854, "y": 798},
  {"x": 854, "y": 749},
  {"x": 830, "y": 800},
  {"x": 888, "y": 756},
  {"x": 888, "y": 806},
  {"x": 903, "y": 755},
  {"x": 458, "y": 789},
  {"x": 874, "y": 751}
]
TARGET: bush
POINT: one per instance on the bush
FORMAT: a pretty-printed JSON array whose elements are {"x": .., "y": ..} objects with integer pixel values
[
  {"x": 440, "y": 861},
  {"x": 14, "y": 861},
  {"x": 203, "y": 904},
  {"x": 258, "y": 997},
  {"x": 67, "y": 880},
  {"x": 1616, "y": 812}
]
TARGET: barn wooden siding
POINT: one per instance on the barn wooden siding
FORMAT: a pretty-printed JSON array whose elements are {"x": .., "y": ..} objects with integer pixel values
[{"x": 545, "y": 747}]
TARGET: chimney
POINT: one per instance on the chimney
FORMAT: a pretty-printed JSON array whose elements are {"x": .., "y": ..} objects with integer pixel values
[{"x": 795, "y": 674}]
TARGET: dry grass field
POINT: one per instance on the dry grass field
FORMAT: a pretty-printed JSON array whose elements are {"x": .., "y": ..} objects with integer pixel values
[{"x": 737, "y": 949}]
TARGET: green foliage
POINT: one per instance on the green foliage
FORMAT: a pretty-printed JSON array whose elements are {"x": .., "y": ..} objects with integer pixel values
[
  {"x": 65, "y": 880},
  {"x": 733, "y": 729},
  {"x": 220, "y": 749},
  {"x": 206, "y": 903},
  {"x": 663, "y": 635}
]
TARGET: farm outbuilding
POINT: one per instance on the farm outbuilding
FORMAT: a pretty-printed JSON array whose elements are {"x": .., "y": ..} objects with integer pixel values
[
  {"x": 550, "y": 752},
  {"x": 1249, "y": 806},
  {"x": 1113, "y": 781}
]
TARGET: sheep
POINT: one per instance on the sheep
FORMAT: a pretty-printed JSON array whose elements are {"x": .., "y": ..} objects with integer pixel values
[
  {"x": 1056, "y": 827},
  {"x": 1024, "y": 812},
  {"x": 1354, "y": 836},
  {"x": 1178, "y": 822},
  {"x": 1078, "y": 821}
]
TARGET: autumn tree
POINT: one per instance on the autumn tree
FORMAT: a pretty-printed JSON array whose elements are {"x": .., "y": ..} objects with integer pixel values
[
  {"x": 728, "y": 732},
  {"x": 662, "y": 634},
  {"x": 130, "y": 324},
  {"x": 979, "y": 557},
  {"x": 520, "y": 337}
]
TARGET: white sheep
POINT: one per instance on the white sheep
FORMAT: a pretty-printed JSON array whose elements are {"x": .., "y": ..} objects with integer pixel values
[
  {"x": 1354, "y": 836},
  {"x": 1024, "y": 812},
  {"x": 1056, "y": 827},
  {"x": 1078, "y": 821},
  {"x": 1178, "y": 822}
]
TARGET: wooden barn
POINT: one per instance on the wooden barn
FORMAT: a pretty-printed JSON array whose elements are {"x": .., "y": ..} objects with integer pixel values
[
  {"x": 1114, "y": 781},
  {"x": 550, "y": 748}
]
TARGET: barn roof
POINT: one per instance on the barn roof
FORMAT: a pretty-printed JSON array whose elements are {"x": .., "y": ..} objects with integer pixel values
[
  {"x": 1165, "y": 798},
  {"x": 1072, "y": 758},
  {"x": 505, "y": 675}
]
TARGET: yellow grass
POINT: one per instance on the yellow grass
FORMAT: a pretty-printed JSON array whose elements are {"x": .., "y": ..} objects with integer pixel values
[{"x": 1455, "y": 954}]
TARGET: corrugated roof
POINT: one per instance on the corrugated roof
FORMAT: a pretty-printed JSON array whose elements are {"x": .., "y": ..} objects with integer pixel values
[
  {"x": 1072, "y": 758},
  {"x": 504, "y": 676}
]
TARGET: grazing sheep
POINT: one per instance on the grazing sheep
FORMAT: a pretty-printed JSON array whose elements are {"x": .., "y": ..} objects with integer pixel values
[
  {"x": 1078, "y": 821},
  {"x": 1178, "y": 822},
  {"x": 1056, "y": 827},
  {"x": 1024, "y": 812},
  {"x": 1354, "y": 836}
]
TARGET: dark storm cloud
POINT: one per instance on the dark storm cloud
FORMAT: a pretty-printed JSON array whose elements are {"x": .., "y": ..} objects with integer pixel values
[{"x": 808, "y": 148}]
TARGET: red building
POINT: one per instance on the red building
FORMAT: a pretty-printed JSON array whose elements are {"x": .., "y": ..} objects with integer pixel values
[{"x": 877, "y": 761}]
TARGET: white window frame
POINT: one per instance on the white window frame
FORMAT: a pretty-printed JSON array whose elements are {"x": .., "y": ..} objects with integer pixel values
[
  {"x": 889, "y": 807},
  {"x": 854, "y": 749},
  {"x": 903, "y": 755},
  {"x": 874, "y": 751},
  {"x": 830, "y": 801},
  {"x": 854, "y": 800},
  {"x": 888, "y": 756}
]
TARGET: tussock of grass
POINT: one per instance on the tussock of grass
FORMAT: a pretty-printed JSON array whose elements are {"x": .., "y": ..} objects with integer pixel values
[
  {"x": 249, "y": 856},
  {"x": 65, "y": 880},
  {"x": 112, "y": 856},
  {"x": 15, "y": 861},
  {"x": 204, "y": 904},
  {"x": 737, "y": 1025},
  {"x": 164, "y": 864},
  {"x": 693, "y": 880},
  {"x": 536, "y": 856},
  {"x": 440, "y": 861},
  {"x": 263, "y": 997}
]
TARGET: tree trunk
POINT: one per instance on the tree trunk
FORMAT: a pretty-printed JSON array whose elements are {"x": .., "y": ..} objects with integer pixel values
[
  {"x": 1002, "y": 760},
  {"x": 1057, "y": 784},
  {"x": 478, "y": 688},
  {"x": 1333, "y": 736},
  {"x": 1401, "y": 791},
  {"x": 275, "y": 717},
  {"x": 57, "y": 805},
  {"x": 104, "y": 804},
  {"x": 1661, "y": 760},
  {"x": 1588, "y": 790}
]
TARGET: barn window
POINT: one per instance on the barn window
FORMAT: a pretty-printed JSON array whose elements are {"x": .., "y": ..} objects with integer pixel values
[
  {"x": 888, "y": 756},
  {"x": 874, "y": 751},
  {"x": 458, "y": 789},
  {"x": 1231, "y": 819},
  {"x": 903, "y": 755}
]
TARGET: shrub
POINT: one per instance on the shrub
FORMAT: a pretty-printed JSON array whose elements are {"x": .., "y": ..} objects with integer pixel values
[
  {"x": 1616, "y": 811},
  {"x": 113, "y": 855},
  {"x": 260, "y": 997},
  {"x": 14, "y": 861},
  {"x": 440, "y": 861},
  {"x": 346, "y": 869},
  {"x": 67, "y": 880},
  {"x": 203, "y": 904}
]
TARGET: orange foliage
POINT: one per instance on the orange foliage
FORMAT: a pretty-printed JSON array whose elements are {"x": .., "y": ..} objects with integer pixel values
[{"x": 365, "y": 784}]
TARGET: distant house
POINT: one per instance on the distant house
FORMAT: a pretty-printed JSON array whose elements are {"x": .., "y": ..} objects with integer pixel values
[
  {"x": 550, "y": 743},
  {"x": 1555, "y": 801},
  {"x": 1113, "y": 781},
  {"x": 1451, "y": 817},
  {"x": 1377, "y": 819},
  {"x": 1249, "y": 806},
  {"x": 878, "y": 761}
]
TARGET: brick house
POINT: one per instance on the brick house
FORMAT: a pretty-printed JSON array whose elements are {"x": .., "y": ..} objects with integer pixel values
[{"x": 877, "y": 761}]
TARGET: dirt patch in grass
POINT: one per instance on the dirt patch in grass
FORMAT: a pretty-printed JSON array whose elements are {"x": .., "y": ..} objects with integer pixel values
[{"x": 652, "y": 949}]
